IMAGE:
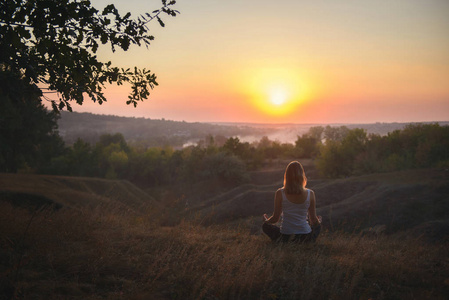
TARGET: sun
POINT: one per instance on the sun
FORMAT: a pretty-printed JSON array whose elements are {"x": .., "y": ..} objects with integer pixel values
[
  {"x": 277, "y": 92},
  {"x": 278, "y": 97}
]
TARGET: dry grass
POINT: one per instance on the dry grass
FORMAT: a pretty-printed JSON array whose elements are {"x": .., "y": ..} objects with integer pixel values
[
  {"x": 93, "y": 254},
  {"x": 76, "y": 192}
]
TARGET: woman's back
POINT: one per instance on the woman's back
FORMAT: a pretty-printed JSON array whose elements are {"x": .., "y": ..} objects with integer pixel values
[
  {"x": 295, "y": 203},
  {"x": 295, "y": 209}
]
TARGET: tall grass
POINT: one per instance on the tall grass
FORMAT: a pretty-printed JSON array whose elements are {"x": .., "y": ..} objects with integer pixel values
[{"x": 93, "y": 254}]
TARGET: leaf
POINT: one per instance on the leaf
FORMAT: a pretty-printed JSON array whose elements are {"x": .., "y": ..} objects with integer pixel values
[
  {"x": 54, "y": 106},
  {"x": 125, "y": 43},
  {"x": 104, "y": 38},
  {"x": 160, "y": 22},
  {"x": 109, "y": 9}
]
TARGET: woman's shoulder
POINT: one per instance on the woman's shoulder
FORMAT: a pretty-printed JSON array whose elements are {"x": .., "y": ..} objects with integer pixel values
[
  {"x": 312, "y": 194},
  {"x": 280, "y": 192},
  {"x": 310, "y": 191}
]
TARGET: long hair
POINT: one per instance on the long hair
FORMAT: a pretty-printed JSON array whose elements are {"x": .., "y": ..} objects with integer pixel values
[{"x": 295, "y": 179}]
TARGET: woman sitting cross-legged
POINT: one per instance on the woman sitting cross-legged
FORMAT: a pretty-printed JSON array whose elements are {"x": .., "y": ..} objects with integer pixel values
[{"x": 295, "y": 202}]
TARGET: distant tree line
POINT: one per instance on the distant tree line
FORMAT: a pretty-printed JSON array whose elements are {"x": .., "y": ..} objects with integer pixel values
[
  {"x": 145, "y": 132},
  {"x": 337, "y": 151},
  {"x": 344, "y": 152},
  {"x": 227, "y": 159}
]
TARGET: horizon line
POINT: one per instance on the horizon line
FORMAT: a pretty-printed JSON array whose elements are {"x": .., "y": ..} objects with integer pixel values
[{"x": 257, "y": 123}]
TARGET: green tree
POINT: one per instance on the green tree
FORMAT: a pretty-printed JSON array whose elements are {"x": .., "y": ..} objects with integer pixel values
[
  {"x": 224, "y": 166},
  {"x": 54, "y": 44},
  {"x": 316, "y": 132},
  {"x": 192, "y": 158},
  {"x": 83, "y": 160},
  {"x": 264, "y": 142},
  {"x": 307, "y": 146},
  {"x": 329, "y": 160},
  {"x": 340, "y": 157},
  {"x": 117, "y": 138},
  {"x": 104, "y": 149},
  {"x": 118, "y": 161},
  {"x": 335, "y": 133},
  {"x": 416, "y": 146},
  {"x": 232, "y": 145}
]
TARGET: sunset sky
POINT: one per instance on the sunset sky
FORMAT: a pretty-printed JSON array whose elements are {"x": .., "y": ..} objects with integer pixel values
[{"x": 290, "y": 62}]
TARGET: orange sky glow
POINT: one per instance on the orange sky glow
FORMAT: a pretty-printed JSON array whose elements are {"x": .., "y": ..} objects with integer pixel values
[{"x": 290, "y": 62}]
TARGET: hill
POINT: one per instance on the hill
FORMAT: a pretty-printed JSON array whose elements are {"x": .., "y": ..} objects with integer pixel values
[
  {"x": 161, "y": 132},
  {"x": 104, "y": 253},
  {"x": 105, "y": 242},
  {"x": 72, "y": 192},
  {"x": 147, "y": 132},
  {"x": 415, "y": 201},
  {"x": 412, "y": 201}
]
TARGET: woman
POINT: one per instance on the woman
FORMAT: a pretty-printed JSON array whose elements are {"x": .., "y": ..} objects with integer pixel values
[{"x": 295, "y": 202}]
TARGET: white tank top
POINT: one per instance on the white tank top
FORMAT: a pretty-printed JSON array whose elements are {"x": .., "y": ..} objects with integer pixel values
[{"x": 294, "y": 219}]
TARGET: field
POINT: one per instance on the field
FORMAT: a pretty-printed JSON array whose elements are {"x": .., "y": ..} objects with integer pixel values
[{"x": 385, "y": 237}]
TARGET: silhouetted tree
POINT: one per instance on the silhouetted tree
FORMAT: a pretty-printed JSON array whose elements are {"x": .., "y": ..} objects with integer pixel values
[
  {"x": 49, "y": 47},
  {"x": 53, "y": 44},
  {"x": 28, "y": 134}
]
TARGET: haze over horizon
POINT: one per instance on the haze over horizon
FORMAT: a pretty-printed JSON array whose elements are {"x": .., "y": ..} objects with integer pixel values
[{"x": 299, "y": 62}]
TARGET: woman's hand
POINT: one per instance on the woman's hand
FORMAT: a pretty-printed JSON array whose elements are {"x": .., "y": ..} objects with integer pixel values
[{"x": 265, "y": 217}]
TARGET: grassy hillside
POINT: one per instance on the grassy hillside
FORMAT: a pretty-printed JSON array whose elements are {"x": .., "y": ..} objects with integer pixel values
[
  {"x": 401, "y": 200},
  {"x": 414, "y": 200},
  {"x": 93, "y": 254},
  {"x": 89, "y": 249},
  {"x": 73, "y": 192}
]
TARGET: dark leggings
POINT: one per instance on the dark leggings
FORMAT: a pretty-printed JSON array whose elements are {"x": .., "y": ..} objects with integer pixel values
[{"x": 275, "y": 234}]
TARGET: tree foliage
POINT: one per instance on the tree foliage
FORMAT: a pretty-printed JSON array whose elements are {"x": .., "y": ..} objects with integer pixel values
[
  {"x": 53, "y": 45},
  {"x": 28, "y": 135},
  {"x": 355, "y": 152},
  {"x": 112, "y": 157}
]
